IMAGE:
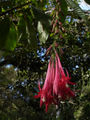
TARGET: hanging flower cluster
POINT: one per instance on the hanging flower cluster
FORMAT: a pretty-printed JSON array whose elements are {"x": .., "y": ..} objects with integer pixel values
[{"x": 56, "y": 85}]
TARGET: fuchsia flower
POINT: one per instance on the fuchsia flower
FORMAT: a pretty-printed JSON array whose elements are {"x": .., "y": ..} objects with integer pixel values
[
  {"x": 60, "y": 85},
  {"x": 45, "y": 93},
  {"x": 56, "y": 85}
]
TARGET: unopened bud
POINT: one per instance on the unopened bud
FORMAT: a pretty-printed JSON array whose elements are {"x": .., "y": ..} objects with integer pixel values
[
  {"x": 60, "y": 23},
  {"x": 56, "y": 21}
]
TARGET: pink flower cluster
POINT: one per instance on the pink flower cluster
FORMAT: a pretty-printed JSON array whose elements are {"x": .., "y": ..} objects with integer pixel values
[{"x": 56, "y": 85}]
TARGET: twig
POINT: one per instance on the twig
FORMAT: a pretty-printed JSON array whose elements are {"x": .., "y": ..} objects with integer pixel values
[{"x": 14, "y": 8}]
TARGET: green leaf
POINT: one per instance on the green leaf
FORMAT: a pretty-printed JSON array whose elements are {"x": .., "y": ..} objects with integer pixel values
[
  {"x": 43, "y": 24},
  {"x": 41, "y": 16},
  {"x": 22, "y": 35},
  {"x": 43, "y": 34},
  {"x": 30, "y": 30},
  {"x": 63, "y": 10},
  {"x": 27, "y": 33},
  {"x": 12, "y": 39},
  {"x": 78, "y": 11},
  {"x": 8, "y": 35},
  {"x": 4, "y": 31}
]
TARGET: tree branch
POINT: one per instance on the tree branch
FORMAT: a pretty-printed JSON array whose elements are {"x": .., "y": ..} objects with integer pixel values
[{"x": 14, "y": 8}]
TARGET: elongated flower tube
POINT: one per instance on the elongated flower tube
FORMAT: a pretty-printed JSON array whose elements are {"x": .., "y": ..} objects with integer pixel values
[
  {"x": 45, "y": 93},
  {"x": 56, "y": 85},
  {"x": 60, "y": 85}
]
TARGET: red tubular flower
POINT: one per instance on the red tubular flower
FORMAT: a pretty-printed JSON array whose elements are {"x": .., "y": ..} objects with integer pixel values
[
  {"x": 60, "y": 86},
  {"x": 45, "y": 93},
  {"x": 56, "y": 85}
]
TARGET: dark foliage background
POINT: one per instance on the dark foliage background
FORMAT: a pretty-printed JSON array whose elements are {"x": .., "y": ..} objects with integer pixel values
[{"x": 25, "y": 34}]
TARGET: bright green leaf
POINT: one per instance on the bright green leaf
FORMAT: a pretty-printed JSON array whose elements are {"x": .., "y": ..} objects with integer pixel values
[{"x": 43, "y": 34}]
